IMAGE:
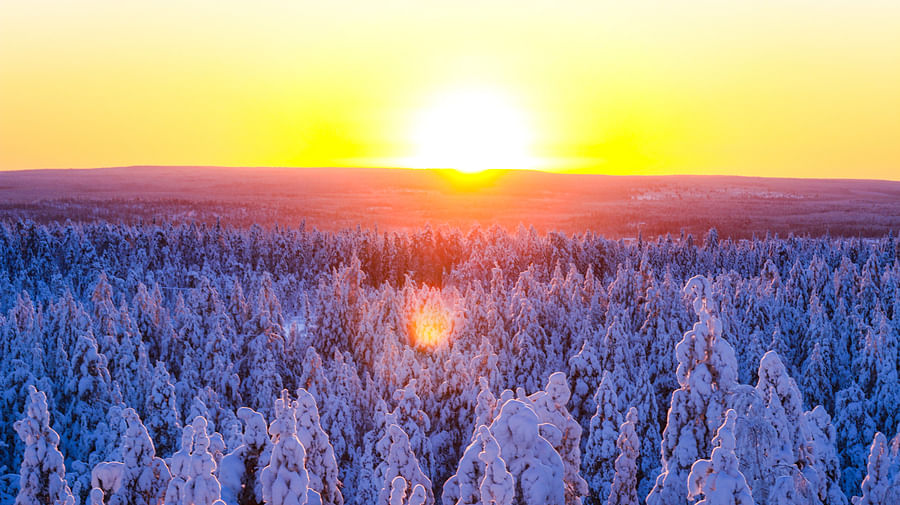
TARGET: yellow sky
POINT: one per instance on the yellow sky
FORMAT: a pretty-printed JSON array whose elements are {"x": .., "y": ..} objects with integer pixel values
[{"x": 773, "y": 88}]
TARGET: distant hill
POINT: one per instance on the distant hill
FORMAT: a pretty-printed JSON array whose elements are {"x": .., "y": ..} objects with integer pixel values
[{"x": 335, "y": 198}]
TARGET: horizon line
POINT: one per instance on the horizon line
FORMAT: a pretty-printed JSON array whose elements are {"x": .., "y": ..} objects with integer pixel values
[{"x": 580, "y": 171}]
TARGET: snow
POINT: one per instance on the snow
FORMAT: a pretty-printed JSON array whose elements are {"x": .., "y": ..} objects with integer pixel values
[
  {"x": 285, "y": 480},
  {"x": 718, "y": 478},
  {"x": 535, "y": 465},
  {"x": 161, "y": 351}
]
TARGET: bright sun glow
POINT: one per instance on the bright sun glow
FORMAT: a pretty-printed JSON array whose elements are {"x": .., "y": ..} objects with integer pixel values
[
  {"x": 472, "y": 130},
  {"x": 430, "y": 325}
]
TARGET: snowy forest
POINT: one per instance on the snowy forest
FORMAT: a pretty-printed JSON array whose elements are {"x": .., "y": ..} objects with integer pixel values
[{"x": 206, "y": 364}]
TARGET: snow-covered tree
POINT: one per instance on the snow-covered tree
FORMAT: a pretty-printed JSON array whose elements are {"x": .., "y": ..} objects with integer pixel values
[
  {"x": 400, "y": 461},
  {"x": 320, "y": 462},
  {"x": 623, "y": 490},
  {"x": 718, "y": 478},
  {"x": 497, "y": 487},
  {"x": 783, "y": 407},
  {"x": 597, "y": 464},
  {"x": 535, "y": 465},
  {"x": 163, "y": 423},
  {"x": 285, "y": 481},
  {"x": 820, "y": 450},
  {"x": 240, "y": 470},
  {"x": 584, "y": 370},
  {"x": 854, "y": 425},
  {"x": 42, "y": 477},
  {"x": 881, "y": 486},
  {"x": 409, "y": 415},
  {"x": 145, "y": 477},
  {"x": 550, "y": 406},
  {"x": 707, "y": 372},
  {"x": 193, "y": 467},
  {"x": 463, "y": 487}
]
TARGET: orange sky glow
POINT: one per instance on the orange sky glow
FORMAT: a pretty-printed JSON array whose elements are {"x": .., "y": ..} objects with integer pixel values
[{"x": 766, "y": 88}]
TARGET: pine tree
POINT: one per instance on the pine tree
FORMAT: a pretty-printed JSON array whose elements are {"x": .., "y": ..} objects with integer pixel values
[
  {"x": 456, "y": 398},
  {"x": 497, "y": 487},
  {"x": 408, "y": 414},
  {"x": 718, "y": 478},
  {"x": 320, "y": 462},
  {"x": 179, "y": 466},
  {"x": 536, "y": 467},
  {"x": 624, "y": 485},
  {"x": 400, "y": 461},
  {"x": 145, "y": 477},
  {"x": 239, "y": 471},
  {"x": 284, "y": 480},
  {"x": 854, "y": 425},
  {"x": 42, "y": 476},
  {"x": 463, "y": 487},
  {"x": 820, "y": 449},
  {"x": 340, "y": 421},
  {"x": 193, "y": 468},
  {"x": 162, "y": 417},
  {"x": 550, "y": 406},
  {"x": 584, "y": 370},
  {"x": 879, "y": 487},
  {"x": 707, "y": 372},
  {"x": 599, "y": 450}
]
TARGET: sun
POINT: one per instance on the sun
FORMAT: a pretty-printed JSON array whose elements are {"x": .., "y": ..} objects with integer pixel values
[{"x": 471, "y": 130}]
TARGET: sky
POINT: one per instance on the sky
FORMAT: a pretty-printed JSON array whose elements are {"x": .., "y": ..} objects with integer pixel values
[{"x": 765, "y": 88}]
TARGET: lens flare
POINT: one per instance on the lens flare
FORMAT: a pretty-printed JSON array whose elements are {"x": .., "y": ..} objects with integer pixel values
[{"x": 430, "y": 327}]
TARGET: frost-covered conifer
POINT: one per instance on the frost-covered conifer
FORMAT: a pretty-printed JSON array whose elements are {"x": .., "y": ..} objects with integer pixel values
[
  {"x": 374, "y": 453},
  {"x": 584, "y": 371},
  {"x": 880, "y": 487},
  {"x": 88, "y": 406},
  {"x": 312, "y": 376},
  {"x": 179, "y": 466},
  {"x": 400, "y": 461},
  {"x": 623, "y": 490},
  {"x": 162, "y": 417},
  {"x": 600, "y": 448},
  {"x": 707, "y": 372},
  {"x": 663, "y": 328},
  {"x": 463, "y": 487},
  {"x": 550, "y": 406},
  {"x": 485, "y": 364},
  {"x": 816, "y": 376},
  {"x": 193, "y": 480},
  {"x": 284, "y": 480},
  {"x": 203, "y": 487},
  {"x": 145, "y": 477},
  {"x": 820, "y": 450},
  {"x": 42, "y": 477},
  {"x": 887, "y": 378},
  {"x": 240, "y": 470},
  {"x": 341, "y": 422},
  {"x": 497, "y": 487},
  {"x": 408, "y": 414},
  {"x": 485, "y": 406},
  {"x": 153, "y": 322},
  {"x": 536, "y": 467},
  {"x": 320, "y": 462},
  {"x": 718, "y": 478},
  {"x": 854, "y": 425},
  {"x": 529, "y": 360},
  {"x": 259, "y": 363},
  {"x": 784, "y": 406},
  {"x": 456, "y": 398}
]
